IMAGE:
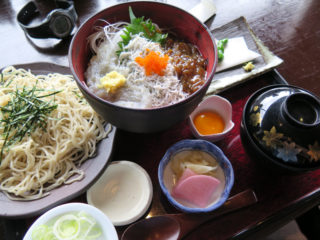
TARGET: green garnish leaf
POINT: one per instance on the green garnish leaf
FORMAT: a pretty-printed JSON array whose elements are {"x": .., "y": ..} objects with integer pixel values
[{"x": 139, "y": 25}]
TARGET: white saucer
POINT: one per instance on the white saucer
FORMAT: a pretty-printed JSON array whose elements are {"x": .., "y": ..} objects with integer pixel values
[{"x": 123, "y": 192}]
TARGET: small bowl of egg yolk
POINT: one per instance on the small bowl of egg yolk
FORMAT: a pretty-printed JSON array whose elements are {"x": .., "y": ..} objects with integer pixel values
[{"x": 212, "y": 119}]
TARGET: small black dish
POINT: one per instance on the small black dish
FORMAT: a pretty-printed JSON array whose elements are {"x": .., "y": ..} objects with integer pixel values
[{"x": 281, "y": 127}]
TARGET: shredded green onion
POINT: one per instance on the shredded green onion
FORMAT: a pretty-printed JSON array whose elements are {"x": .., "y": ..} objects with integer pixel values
[
  {"x": 71, "y": 226},
  {"x": 24, "y": 113},
  {"x": 43, "y": 232}
]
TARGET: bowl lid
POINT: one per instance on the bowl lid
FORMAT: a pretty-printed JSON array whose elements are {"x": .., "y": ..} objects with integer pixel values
[{"x": 284, "y": 122}]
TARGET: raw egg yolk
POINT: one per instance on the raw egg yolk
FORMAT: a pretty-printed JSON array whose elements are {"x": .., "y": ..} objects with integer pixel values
[{"x": 209, "y": 123}]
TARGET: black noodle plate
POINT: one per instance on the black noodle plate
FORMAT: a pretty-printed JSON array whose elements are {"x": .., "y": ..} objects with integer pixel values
[
  {"x": 93, "y": 167},
  {"x": 281, "y": 127}
]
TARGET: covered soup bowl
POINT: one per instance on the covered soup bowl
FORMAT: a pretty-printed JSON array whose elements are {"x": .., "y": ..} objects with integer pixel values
[{"x": 281, "y": 128}]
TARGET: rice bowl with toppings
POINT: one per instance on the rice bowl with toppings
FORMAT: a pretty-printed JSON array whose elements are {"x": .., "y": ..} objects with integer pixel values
[
  {"x": 186, "y": 39},
  {"x": 137, "y": 66}
]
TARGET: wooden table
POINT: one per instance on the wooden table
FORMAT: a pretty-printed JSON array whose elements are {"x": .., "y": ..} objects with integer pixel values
[{"x": 290, "y": 29}]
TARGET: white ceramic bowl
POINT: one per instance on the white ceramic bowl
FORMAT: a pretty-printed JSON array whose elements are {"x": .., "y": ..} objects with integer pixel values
[
  {"x": 124, "y": 192},
  {"x": 216, "y": 104},
  {"x": 108, "y": 230}
]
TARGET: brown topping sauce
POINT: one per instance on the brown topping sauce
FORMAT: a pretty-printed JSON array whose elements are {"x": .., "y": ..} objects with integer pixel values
[{"x": 189, "y": 64}]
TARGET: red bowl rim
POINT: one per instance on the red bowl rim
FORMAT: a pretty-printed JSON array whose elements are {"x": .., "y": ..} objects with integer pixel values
[{"x": 85, "y": 88}]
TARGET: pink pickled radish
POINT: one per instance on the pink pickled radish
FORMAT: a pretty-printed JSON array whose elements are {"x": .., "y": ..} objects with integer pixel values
[
  {"x": 186, "y": 173},
  {"x": 196, "y": 189}
]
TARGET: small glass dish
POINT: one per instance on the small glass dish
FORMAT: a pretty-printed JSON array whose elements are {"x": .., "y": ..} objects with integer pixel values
[{"x": 218, "y": 105}]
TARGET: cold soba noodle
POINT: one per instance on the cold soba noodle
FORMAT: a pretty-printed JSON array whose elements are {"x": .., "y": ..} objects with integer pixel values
[
  {"x": 136, "y": 65},
  {"x": 49, "y": 155}
]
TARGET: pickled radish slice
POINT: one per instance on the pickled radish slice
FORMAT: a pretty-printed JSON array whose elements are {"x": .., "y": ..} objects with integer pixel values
[
  {"x": 196, "y": 189},
  {"x": 187, "y": 173},
  {"x": 200, "y": 169},
  {"x": 197, "y": 161}
]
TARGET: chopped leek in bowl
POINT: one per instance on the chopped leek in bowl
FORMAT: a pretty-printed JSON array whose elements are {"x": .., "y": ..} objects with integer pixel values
[{"x": 72, "y": 221}]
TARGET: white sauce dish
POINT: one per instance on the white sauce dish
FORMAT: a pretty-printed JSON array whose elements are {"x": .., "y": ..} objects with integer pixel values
[{"x": 124, "y": 192}]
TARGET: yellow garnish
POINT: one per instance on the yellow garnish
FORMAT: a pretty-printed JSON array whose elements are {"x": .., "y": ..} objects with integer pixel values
[
  {"x": 248, "y": 67},
  {"x": 112, "y": 81},
  {"x": 153, "y": 63}
]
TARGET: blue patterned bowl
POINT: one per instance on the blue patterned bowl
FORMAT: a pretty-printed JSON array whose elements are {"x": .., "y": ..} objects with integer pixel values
[{"x": 211, "y": 149}]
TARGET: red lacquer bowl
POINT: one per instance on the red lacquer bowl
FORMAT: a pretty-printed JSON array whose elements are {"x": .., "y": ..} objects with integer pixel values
[{"x": 183, "y": 24}]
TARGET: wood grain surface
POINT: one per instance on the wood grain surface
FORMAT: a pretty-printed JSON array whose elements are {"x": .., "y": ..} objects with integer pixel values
[{"x": 289, "y": 28}]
